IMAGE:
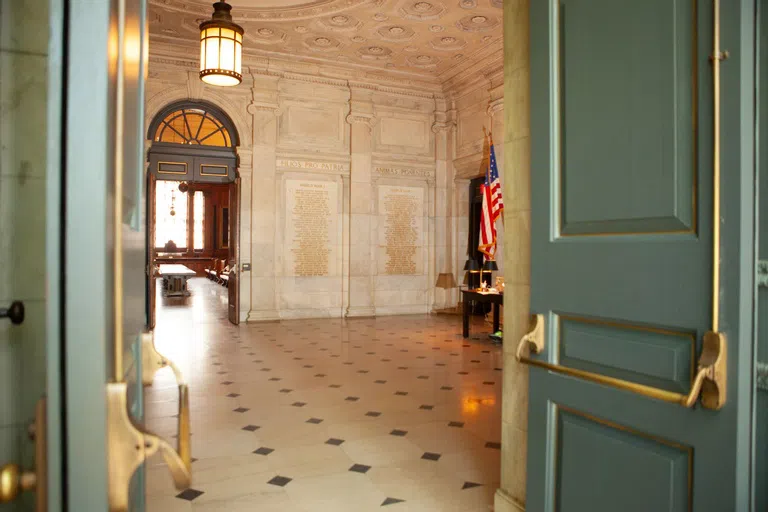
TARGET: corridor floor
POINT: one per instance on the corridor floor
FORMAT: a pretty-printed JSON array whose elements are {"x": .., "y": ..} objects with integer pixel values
[{"x": 392, "y": 413}]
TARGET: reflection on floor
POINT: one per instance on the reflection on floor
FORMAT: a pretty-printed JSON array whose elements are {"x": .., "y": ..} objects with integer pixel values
[{"x": 327, "y": 415}]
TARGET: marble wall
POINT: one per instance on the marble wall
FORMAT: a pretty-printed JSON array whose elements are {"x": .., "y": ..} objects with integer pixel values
[
  {"x": 365, "y": 177},
  {"x": 24, "y": 69}
]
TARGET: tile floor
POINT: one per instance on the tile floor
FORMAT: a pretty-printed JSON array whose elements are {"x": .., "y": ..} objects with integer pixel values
[{"x": 327, "y": 415}]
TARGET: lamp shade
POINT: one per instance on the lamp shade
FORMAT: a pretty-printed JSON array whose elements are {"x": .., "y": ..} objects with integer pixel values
[
  {"x": 472, "y": 266},
  {"x": 490, "y": 266},
  {"x": 221, "y": 48},
  {"x": 445, "y": 280}
]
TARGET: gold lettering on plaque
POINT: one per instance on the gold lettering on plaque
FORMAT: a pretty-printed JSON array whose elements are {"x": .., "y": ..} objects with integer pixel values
[
  {"x": 310, "y": 233},
  {"x": 401, "y": 209}
]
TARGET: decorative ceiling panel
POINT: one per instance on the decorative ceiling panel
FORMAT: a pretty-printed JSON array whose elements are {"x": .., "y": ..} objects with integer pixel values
[{"x": 422, "y": 37}]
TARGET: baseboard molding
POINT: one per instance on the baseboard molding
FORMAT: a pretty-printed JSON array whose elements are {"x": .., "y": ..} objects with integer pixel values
[{"x": 503, "y": 502}]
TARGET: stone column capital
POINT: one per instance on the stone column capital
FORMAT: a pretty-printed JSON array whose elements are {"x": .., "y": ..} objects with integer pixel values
[
  {"x": 495, "y": 106},
  {"x": 439, "y": 126},
  {"x": 256, "y": 107},
  {"x": 367, "y": 119}
]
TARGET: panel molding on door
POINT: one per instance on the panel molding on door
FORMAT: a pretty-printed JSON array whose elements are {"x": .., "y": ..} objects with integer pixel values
[
  {"x": 649, "y": 202},
  {"x": 670, "y": 466}
]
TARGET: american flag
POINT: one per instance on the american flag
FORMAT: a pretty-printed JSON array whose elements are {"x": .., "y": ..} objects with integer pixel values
[{"x": 493, "y": 206}]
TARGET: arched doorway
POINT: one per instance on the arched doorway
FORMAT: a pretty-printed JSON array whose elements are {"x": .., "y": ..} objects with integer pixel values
[{"x": 193, "y": 157}]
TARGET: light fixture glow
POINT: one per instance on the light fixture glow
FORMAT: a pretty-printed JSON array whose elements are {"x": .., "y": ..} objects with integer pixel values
[{"x": 221, "y": 48}]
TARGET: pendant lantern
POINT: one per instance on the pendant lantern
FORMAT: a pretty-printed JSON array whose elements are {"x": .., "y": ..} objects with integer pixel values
[{"x": 221, "y": 48}]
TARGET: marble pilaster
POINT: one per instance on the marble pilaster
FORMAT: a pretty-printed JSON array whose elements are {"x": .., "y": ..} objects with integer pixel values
[
  {"x": 264, "y": 111},
  {"x": 444, "y": 128},
  {"x": 361, "y": 262}
]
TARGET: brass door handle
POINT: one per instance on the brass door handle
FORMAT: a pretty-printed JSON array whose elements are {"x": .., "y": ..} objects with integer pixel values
[
  {"x": 709, "y": 384},
  {"x": 14, "y": 480},
  {"x": 130, "y": 445}
]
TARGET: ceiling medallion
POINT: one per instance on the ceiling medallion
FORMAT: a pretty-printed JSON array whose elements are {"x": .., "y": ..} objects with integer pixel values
[
  {"x": 422, "y": 10},
  {"x": 447, "y": 43},
  {"x": 380, "y": 17},
  {"x": 411, "y": 49},
  {"x": 322, "y": 43},
  {"x": 423, "y": 61},
  {"x": 340, "y": 23},
  {"x": 396, "y": 33},
  {"x": 266, "y": 32},
  {"x": 358, "y": 39},
  {"x": 468, "y": 4},
  {"x": 300, "y": 29},
  {"x": 221, "y": 48},
  {"x": 436, "y": 28},
  {"x": 374, "y": 52},
  {"x": 477, "y": 23}
]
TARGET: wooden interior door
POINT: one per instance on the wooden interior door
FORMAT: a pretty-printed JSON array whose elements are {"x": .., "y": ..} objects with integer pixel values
[
  {"x": 234, "y": 250},
  {"x": 151, "y": 227},
  {"x": 641, "y": 252}
]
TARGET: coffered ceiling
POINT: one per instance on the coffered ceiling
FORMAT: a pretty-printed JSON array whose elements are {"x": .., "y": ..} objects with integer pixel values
[{"x": 424, "y": 37}]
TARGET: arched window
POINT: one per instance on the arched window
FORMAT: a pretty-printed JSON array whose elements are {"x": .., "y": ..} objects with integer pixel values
[{"x": 193, "y": 125}]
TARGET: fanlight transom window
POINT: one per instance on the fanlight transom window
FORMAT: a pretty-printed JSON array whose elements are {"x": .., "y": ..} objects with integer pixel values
[{"x": 193, "y": 126}]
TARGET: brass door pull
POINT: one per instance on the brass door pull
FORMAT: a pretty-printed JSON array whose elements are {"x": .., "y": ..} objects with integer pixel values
[
  {"x": 709, "y": 383},
  {"x": 534, "y": 338},
  {"x": 14, "y": 480},
  {"x": 130, "y": 446}
]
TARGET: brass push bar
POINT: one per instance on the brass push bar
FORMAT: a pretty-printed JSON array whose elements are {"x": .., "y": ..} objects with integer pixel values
[{"x": 709, "y": 383}]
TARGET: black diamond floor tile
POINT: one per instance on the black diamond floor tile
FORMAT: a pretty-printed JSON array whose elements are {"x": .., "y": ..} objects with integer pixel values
[
  {"x": 360, "y": 468},
  {"x": 446, "y": 388},
  {"x": 398, "y": 433},
  {"x": 391, "y": 501},
  {"x": 352, "y": 398},
  {"x": 431, "y": 456},
  {"x": 285, "y": 390},
  {"x": 233, "y": 395},
  {"x": 251, "y": 428},
  {"x": 314, "y": 421},
  {"x": 241, "y": 409},
  {"x": 379, "y": 382},
  {"x": 280, "y": 481},
  {"x": 457, "y": 424},
  {"x": 227, "y": 382},
  {"x": 263, "y": 451},
  {"x": 189, "y": 494},
  {"x": 470, "y": 485},
  {"x": 401, "y": 393},
  {"x": 426, "y": 407},
  {"x": 299, "y": 404},
  {"x": 335, "y": 442},
  {"x": 493, "y": 445},
  {"x": 373, "y": 414}
]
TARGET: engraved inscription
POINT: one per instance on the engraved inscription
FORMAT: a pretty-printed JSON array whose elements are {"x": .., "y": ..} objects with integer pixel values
[
  {"x": 401, "y": 233},
  {"x": 311, "y": 227},
  {"x": 313, "y": 166},
  {"x": 406, "y": 172}
]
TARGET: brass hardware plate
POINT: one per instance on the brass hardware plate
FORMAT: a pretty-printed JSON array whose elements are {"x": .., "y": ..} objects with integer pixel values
[
  {"x": 709, "y": 384},
  {"x": 129, "y": 447},
  {"x": 14, "y": 481},
  {"x": 534, "y": 338}
]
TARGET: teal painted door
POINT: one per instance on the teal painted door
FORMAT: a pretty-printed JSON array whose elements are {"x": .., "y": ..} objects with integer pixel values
[
  {"x": 622, "y": 130},
  {"x": 103, "y": 235}
]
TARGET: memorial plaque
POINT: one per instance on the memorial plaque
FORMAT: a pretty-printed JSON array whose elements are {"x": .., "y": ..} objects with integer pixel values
[
  {"x": 311, "y": 234},
  {"x": 401, "y": 230}
]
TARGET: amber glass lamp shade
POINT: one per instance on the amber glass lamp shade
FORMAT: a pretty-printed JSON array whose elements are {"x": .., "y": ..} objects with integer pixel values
[{"x": 221, "y": 48}]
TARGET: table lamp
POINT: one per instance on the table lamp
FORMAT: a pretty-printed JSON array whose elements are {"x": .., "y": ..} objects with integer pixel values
[{"x": 489, "y": 267}]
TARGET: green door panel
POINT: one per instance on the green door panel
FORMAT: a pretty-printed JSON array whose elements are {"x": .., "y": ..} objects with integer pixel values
[{"x": 622, "y": 123}]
